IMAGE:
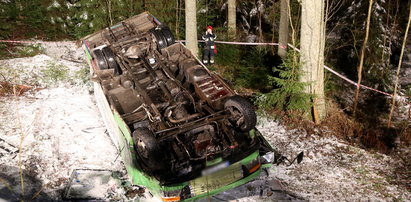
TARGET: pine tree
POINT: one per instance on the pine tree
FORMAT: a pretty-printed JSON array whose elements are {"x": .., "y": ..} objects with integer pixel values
[
  {"x": 290, "y": 93},
  {"x": 8, "y": 11}
]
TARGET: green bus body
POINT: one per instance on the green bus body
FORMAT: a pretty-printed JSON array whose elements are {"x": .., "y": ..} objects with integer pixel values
[{"x": 216, "y": 182}]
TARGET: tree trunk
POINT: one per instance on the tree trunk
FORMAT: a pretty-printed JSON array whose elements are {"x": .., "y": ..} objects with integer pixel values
[
  {"x": 232, "y": 25},
  {"x": 284, "y": 26},
  {"x": 177, "y": 18},
  {"x": 312, "y": 53},
  {"x": 191, "y": 26},
  {"x": 398, "y": 69},
  {"x": 387, "y": 40},
  {"x": 359, "y": 69},
  {"x": 273, "y": 30},
  {"x": 110, "y": 17},
  {"x": 260, "y": 27}
]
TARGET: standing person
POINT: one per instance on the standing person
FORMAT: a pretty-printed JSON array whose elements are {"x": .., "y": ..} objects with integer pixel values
[{"x": 209, "y": 46}]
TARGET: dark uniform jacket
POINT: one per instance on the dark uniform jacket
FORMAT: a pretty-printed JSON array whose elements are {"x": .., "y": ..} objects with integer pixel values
[{"x": 209, "y": 40}]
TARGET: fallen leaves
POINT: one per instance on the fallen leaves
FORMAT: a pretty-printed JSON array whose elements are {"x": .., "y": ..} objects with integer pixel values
[{"x": 7, "y": 88}]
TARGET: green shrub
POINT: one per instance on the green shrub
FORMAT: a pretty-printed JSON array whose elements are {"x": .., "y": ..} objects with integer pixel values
[
  {"x": 54, "y": 73},
  {"x": 30, "y": 50},
  {"x": 12, "y": 51},
  {"x": 289, "y": 94},
  {"x": 82, "y": 76},
  {"x": 3, "y": 51},
  {"x": 228, "y": 55},
  {"x": 244, "y": 66},
  {"x": 253, "y": 71}
]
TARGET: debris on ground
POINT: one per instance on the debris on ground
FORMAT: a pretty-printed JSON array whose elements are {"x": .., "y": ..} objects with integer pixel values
[{"x": 90, "y": 184}]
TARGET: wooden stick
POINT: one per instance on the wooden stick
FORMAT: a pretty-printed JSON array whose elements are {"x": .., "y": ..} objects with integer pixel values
[
  {"x": 398, "y": 70},
  {"x": 364, "y": 45}
]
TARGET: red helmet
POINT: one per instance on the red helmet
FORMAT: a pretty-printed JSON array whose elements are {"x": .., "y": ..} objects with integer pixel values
[{"x": 209, "y": 27}]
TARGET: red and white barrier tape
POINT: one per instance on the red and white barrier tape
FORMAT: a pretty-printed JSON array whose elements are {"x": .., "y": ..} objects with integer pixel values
[
  {"x": 241, "y": 43},
  {"x": 325, "y": 66},
  {"x": 238, "y": 43},
  {"x": 247, "y": 44},
  {"x": 29, "y": 42},
  {"x": 345, "y": 78}
]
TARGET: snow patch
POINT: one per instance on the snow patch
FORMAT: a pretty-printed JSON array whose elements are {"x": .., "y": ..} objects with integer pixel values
[{"x": 331, "y": 169}]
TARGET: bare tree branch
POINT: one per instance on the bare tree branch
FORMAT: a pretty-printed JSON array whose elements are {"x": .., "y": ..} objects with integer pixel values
[
  {"x": 357, "y": 92},
  {"x": 398, "y": 69}
]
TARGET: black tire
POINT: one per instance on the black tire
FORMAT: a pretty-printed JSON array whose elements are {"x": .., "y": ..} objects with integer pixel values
[
  {"x": 148, "y": 148},
  {"x": 161, "y": 40},
  {"x": 242, "y": 114},
  {"x": 111, "y": 59},
  {"x": 100, "y": 59},
  {"x": 168, "y": 36}
]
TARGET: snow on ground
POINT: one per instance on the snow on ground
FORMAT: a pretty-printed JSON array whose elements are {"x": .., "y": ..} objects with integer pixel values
[
  {"x": 58, "y": 127},
  {"x": 62, "y": 131},
  {"x": 333, "y": 170}
]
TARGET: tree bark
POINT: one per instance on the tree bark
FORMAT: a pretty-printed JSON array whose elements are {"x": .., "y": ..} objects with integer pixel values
[
  {"x": 312, "y": 53},
  {"x": 144, "y": 5},
  {"x": 293, "y": 38},
  {"x": 177, "y": 18},
  {"x": 232, "y": 17},
  {"x": 260, "y": 27},
  {"x": 284, "y": 29},
  {"x": 273, "y": 30},
  {"x": 110, "y": 17},
  {"x": 398, "y": 69},
  {"x": 359, "y": 69},
  {"x": 191, "y": 26}
]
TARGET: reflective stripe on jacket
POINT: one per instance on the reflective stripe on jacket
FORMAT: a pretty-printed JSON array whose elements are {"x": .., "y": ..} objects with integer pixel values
[{"x": 209, "y": 39}]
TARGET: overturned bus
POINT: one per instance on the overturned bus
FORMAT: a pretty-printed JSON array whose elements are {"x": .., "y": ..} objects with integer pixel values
[{"x": 182, "y": 131}]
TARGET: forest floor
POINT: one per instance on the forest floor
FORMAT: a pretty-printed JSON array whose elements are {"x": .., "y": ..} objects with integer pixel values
[{"x": 57, "y": 127}]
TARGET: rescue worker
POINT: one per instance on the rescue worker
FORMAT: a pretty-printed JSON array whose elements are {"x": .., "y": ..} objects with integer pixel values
[{"x": 209, "y": 46}]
